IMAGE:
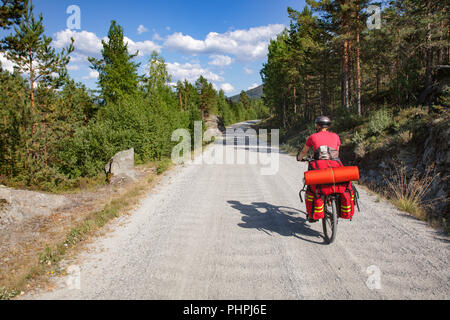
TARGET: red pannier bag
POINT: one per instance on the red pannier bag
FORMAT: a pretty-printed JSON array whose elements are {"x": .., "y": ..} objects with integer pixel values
[
  {"x": 315, "y": 206},
  {"x": 346, "y": 191},
  {"x": 347, "y": 204}
]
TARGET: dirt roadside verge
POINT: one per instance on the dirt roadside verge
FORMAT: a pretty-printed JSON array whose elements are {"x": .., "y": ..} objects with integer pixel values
[{"x": 32, "y": 246}]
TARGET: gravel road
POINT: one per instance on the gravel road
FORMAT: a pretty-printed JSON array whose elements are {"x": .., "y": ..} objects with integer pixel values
[{"x": 228, "y": 232}]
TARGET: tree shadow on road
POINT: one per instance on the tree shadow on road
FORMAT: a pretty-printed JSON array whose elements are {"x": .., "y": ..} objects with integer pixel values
[{"x": 279, "y": 219}]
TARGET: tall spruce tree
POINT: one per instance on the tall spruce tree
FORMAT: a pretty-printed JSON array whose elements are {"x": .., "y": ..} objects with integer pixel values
[
  {"x": 118, "y": 75},
  {"x": 244, "y": 99},
  {"x": 207, "y": 96}
]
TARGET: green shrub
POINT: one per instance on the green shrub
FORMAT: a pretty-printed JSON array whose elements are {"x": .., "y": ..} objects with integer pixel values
[
  {"x": 360, "y": 144},
  {"x": 143, "y": 124},
  {"x": 379, "y": 121},
  {"x": 358, "y": 138}
]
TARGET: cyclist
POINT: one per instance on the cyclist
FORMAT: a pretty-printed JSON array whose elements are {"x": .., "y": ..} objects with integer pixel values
[{"x": 325, "y": 145}]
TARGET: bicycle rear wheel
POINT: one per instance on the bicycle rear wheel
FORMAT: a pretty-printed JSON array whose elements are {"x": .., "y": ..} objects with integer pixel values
[{"x": 330, "y": 222}]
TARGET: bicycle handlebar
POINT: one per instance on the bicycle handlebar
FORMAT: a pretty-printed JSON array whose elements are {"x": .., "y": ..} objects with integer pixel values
[{"x": 306, "y": 159}]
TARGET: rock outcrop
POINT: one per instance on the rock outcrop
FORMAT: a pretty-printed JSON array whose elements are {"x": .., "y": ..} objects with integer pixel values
[
  {"x": 121, "y": 167},
  {"x": 429, "y": 149},
  {"x": 214, "y": 128},
  {"x": 436, "y": 153},
  {"x": 18, "y": 205}
]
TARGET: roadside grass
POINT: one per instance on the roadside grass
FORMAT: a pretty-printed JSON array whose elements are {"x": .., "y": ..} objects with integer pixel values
[
  {"x": 162, "y": 166},
  {"x": 410, "y": 206},
  {"x": 48, "y": 261},
  {"x": 65, "y": 186},
  {"x": 83, "y": 184},
  {"x": 407, "y": 190}
]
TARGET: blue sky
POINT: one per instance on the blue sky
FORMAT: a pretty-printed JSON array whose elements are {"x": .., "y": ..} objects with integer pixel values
[{"x": 225, "y": 41}]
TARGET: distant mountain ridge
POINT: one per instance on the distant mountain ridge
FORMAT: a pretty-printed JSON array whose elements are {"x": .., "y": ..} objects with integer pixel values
[{"x": 255, "y": 93}]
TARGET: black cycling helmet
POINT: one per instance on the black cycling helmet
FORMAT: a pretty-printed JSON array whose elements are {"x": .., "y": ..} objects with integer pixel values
[{"x": 323, "y": 122}]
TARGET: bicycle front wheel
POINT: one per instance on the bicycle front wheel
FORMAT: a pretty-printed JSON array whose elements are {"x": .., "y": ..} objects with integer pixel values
[{"x": 330, "y": 222}]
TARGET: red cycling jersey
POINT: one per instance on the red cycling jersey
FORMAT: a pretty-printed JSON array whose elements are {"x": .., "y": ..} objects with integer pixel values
[{"x": 324, "y": 138}]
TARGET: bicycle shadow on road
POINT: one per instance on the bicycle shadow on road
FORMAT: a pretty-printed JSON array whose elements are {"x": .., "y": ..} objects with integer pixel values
[{"x": 269, "y": 218}]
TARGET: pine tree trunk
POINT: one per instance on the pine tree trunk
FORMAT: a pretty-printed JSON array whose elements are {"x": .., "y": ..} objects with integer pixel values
[
  {"x": 358, "y": 61},
  {"x": 32, "y": 93},
  {"x": 8, "y": 146},
  {"x": 343, "y": 82},
  {"x": 345, "y": 76},
  {"x": 33, "y": 131},
  {"x": 31, "y": 82},
  {"x": 378, "y": 87},
  {"x": 323, "y": 94},
  {"x": 31, "y": 150},
  {"x": 429, "y": 53},
  {"x": 308, "y": 111},
  {"x": 45, "y": 144},
  {"x": 295, "y": 96},
  {"x": 324, "y": 91},
  {"x": 350, "y": 75}
]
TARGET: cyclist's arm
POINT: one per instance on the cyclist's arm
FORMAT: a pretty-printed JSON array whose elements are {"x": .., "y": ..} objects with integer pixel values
[{"x": 303, "y": 153}]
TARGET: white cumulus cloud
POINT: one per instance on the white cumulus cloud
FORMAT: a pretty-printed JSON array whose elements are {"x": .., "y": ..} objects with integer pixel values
[
  {"x": 141, "y": 29},
  {"x": 156, "y": 36},
  {"x": 88, "y": 44},
  {"x": 227, "y": 88},
  {"x": 144, "y": 47},
  {"x": 92, "y": 75},
  {"x": 190, "y": 72},
  {"x": 5, "y": 63},
  {"x": 246, "y": 45},
  {"x": 220, "y": 60}
]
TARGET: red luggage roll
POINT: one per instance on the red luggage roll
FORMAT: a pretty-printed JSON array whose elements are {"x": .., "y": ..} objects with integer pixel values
[{"x": 332, "y": 175}]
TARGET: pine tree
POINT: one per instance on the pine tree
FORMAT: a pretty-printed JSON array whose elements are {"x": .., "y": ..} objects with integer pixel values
[
  {"x": 207, "y": 96},
  {"x": 180, "y": 94},
  {"x": 14, "y": 122},
  {"x": 302, "y": 54},
  {"x": 118, "y": 76},
  {"x": 31, "y": 52},
  {"x": 274, "y": 77},
  {"x": 244, "y": 99},
  {"x": 11, "y": 11}
]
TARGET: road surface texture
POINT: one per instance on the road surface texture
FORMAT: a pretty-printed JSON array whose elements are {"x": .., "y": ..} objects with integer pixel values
[{"x": 229, "y": 232}]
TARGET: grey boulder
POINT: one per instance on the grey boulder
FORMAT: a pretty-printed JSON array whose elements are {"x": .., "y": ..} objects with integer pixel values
[{"x": 121, "y": 166}]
